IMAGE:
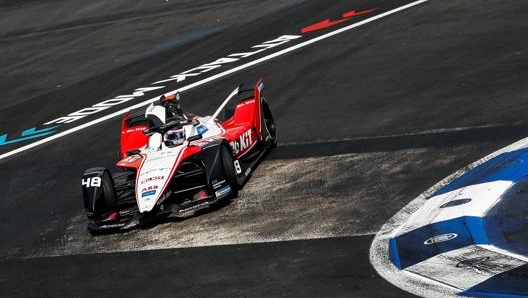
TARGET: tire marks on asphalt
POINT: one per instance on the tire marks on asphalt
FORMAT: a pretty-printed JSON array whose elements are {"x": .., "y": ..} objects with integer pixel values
[{"x": 285, "y": 199}]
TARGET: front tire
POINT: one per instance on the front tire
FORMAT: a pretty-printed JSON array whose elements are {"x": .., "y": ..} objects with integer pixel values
[
  {"x": 100, "y": 200},
  {"x": 228, "y": 162}
]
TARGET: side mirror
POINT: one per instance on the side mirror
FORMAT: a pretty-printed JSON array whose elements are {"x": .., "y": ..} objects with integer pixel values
[
  {"x": 133, "y": 152},
  {"x": 152, "y": 130},
  {"x": 194, "y": 138}
]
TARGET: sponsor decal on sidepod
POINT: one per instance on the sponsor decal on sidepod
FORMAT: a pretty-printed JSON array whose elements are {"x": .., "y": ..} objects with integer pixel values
[
  {"x": 148, "y": 193},
  {"x": 223, "y": 191},
  {"x": 242, "y": 143}
]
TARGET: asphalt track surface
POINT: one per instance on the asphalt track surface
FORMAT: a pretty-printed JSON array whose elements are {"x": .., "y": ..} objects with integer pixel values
[{"x": 368, "y": 119}]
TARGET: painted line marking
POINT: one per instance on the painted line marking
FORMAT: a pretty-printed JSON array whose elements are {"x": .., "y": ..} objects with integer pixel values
[
  {"x": 214, "y": 77},
  {"x": 327, "y": 23},
  {"x": 27, "y": 135}
]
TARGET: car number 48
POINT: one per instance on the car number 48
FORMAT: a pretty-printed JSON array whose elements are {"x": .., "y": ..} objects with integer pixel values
[{"x": 91, "y": 182}]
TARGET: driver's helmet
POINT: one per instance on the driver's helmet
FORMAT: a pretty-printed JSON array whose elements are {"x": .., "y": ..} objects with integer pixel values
[{"x": 175, "y": 137}]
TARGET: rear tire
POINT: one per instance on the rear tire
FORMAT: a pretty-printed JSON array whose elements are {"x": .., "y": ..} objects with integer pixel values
[{"x": 269, "y": 124}]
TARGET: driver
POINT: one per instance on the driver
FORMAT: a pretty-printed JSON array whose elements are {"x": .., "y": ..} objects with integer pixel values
[{"x": 175, "y": 137}]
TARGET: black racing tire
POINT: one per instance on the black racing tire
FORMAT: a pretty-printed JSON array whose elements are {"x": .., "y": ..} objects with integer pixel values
[
  {"x": 109, "y": 192},
  {"x": 269, "y": 124},
  {"x": 229, "y": 169},
  {"x": 104, "y": 200}
]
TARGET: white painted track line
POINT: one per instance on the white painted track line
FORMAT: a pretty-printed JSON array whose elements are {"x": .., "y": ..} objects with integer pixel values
[{"x": 212, "y": 78}]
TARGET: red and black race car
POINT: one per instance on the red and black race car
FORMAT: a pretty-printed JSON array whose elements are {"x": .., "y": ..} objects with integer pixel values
[{"x": 175, "y": 164}]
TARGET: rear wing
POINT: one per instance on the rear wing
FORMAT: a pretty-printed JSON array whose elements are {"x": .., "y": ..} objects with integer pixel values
[
  {"x": 251, "y": 86},
  {"x": 245, "y": 87}
]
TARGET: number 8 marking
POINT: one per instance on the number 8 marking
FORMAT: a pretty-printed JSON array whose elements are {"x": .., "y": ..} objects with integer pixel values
[{"x": 238, "y": 169}]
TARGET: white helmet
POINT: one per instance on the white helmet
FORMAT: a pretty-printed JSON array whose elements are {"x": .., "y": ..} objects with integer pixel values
[{"x": 175, "y": 137}]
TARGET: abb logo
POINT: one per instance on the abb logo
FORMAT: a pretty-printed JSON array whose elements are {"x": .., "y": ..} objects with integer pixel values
[{"x": 152, "y": 187}]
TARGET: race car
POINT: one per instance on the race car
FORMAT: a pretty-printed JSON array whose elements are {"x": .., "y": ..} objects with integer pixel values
[{"x": 174, "y": 164}]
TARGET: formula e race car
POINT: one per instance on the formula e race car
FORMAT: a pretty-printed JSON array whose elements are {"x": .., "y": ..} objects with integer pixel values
[{"x": 174, "y": 163}]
